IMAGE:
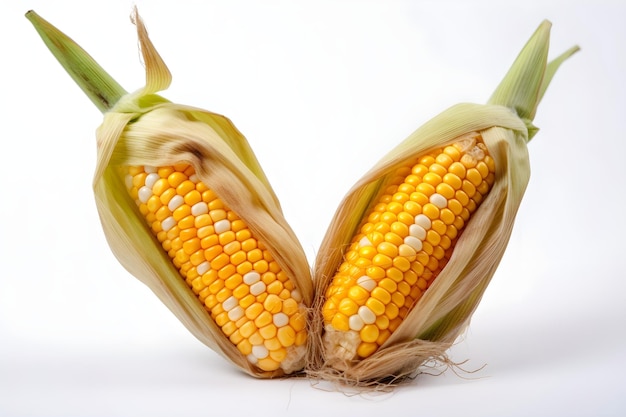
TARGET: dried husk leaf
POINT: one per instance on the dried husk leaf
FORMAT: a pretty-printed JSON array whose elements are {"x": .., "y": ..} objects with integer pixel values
[{"x": 445, "y": 309}]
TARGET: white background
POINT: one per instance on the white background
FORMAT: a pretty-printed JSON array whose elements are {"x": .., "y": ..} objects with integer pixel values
[{"x": 321, "y": 89}]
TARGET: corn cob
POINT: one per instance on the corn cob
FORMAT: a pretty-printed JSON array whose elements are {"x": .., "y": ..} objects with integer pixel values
[
  {"x": 187, "y": 209},
  {"x": 233, "y": 274},
  {"x": 405, "y": 241}
]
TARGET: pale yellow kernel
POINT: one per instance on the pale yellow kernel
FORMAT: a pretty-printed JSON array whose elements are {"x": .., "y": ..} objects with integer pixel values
[
  {"x": 245, "y": 347},
  {"x": 272, "y": 344},
  {"x": 290, "y": 306},
  {"x": 217, "y": 214},
  {"x": 253, "y": 311},
  {"x": 286, "y": 335},
  {"x": 263, "y": 319},
  {"x": 248, "y": 329},
  {"x": 273, "y": 303},
  {"x": 268, "y": 364},
  {"x": 256, "y": 338},
  {"x": 279, "y": 354},
  {"x": 230, "y": 247},
  {"x": 236, "y": 337},
  {"x": 268, "y": 331}
]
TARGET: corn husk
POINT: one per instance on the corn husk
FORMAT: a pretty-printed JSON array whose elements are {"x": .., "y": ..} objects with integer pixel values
[
  {"x": 143, "y": 128},
  {"x": 445, "y": 309}
]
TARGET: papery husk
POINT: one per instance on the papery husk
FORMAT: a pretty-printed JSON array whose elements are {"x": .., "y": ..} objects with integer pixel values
[
  {"x": 143, "y": 128},
  {"x": 444, "y": 311}
]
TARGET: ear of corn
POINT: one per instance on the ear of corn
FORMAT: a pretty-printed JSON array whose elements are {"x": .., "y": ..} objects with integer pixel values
[
  {"x": 415, "y": 242},
  {"x": 187, "y": 209}
]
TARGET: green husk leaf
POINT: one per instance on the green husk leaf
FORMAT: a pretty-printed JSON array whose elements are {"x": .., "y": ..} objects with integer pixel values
[{"x": 97, "y": 84}]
